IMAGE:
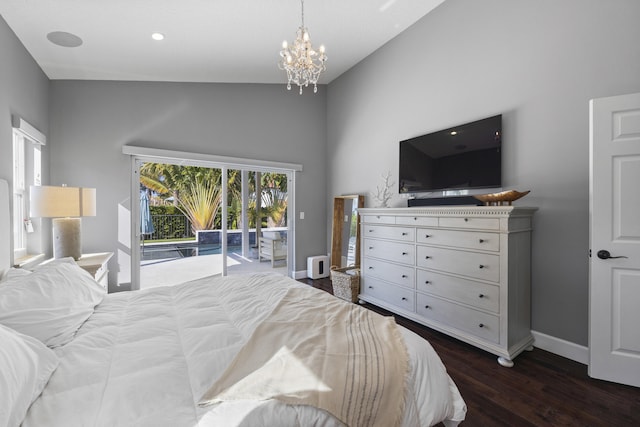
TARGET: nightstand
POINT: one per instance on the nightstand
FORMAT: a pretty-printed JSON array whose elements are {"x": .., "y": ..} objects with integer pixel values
[{"x": 96, "y": 265}]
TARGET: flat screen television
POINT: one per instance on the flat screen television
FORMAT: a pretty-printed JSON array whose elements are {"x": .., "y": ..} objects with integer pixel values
[{"x": 468, "y": 156}]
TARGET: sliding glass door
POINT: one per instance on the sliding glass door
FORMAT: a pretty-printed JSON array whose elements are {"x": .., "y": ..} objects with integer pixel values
[{"x": 194, "y": 219}]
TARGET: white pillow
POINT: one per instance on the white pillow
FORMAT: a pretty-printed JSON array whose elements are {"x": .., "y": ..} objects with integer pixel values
[
  {"x": 27, "y": 365},
  {"x": 51, "y": 303}
]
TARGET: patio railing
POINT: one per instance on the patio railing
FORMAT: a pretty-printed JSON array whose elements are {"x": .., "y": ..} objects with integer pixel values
[
  {"x": 179, "y": 227},
  {"x": 170, "y": 227}
]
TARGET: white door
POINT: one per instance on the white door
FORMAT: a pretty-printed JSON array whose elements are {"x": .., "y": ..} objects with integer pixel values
[{"x": 614, "y": 288}]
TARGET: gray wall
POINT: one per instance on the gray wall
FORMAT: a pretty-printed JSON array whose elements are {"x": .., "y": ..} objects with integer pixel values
[
  {"x": 24, "y": 91},
  {"x": 536, "y": 62},
  {"x": 92, "y": 120}
]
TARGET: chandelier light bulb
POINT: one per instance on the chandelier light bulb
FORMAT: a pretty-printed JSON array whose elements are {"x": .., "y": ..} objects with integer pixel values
[{"x": 302, "y": 63}]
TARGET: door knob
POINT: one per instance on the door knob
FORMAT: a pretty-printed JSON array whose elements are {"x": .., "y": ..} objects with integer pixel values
[{"x": 604, "y": 254}]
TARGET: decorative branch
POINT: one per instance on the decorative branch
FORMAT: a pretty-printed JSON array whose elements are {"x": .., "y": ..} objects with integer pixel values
[{"x": 383, "y": 193}]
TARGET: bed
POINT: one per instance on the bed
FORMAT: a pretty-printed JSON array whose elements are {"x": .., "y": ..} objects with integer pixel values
[{"x": 245, "y": 350}]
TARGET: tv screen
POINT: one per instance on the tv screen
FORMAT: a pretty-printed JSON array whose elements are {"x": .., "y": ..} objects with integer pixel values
[{"x": 467, "y": 156}]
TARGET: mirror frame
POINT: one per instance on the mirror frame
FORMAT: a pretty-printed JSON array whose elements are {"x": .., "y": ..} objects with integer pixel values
[{"x": 336, "y": 229}]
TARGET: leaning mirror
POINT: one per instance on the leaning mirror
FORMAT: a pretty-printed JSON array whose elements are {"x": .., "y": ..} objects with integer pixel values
[{"x": 345, "y": 236}]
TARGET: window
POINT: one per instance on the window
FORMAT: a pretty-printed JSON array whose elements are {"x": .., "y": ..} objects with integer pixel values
[
  {"x": 19, "y": 177},
  {"x": 27, "y": 170}
]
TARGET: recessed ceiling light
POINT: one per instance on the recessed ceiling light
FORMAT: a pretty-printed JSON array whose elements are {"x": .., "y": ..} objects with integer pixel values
[
  {"x": 157, "y": 36},
  {"x": 64, "y": 39}
]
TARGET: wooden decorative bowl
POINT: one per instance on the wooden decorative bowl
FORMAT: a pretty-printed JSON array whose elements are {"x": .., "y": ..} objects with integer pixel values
[{"x": 502, "y": 198}]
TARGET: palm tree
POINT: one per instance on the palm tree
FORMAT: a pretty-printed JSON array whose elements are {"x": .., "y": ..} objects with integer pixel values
[
  {"x": 274, "y": 198},
  {"x": 153, "y": 176},
  {"x": 201, "y": 204},
  {"x": 195, "y": 190}
]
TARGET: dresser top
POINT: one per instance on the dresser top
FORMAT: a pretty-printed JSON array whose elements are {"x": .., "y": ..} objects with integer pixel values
[{"x": 504, "y": 211}]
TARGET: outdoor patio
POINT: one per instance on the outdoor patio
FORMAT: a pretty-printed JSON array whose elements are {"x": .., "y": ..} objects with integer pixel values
[{"x": 169, "y": 272}]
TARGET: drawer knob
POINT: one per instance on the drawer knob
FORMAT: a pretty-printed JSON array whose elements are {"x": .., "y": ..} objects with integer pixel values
[
  {"x": 404, "y": 233},
  {"x": 427, "y": 307},
  {"x": 370, "y": 287},
  {"x": 370, "y": 247},
  {"x": 404, "y": 299},
  {"x": 404, "y": 276},
  {"x": 481, "y": 266},
  {"x": 427, "y": 257},
  {"x": 466, "y": 220},
  {"x": 426, "y": 282},
  {"x": 481, "y": 296},
  {"x": 370, "y": 267},
  {"x": 481, "y": 325},
  {"x": 370, "y": 231},
  {"x": 482, "y": 240},
  {"x": 426, "y": 236},
  {"x": 404, "y": 253}
]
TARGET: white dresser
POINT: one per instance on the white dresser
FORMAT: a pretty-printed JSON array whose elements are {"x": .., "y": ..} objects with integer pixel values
[{"x": 462, "y": 270}]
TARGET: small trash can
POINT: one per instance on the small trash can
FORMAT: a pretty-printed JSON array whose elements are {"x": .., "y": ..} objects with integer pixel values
[{"x": 346, "y": 282}]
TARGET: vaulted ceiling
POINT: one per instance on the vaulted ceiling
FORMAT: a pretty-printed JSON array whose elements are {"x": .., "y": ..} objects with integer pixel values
[{"x": 205, "y": 40}]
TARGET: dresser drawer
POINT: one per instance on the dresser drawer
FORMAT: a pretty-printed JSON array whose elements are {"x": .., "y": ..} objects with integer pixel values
[
  {"x": 395, "y": 295},
  {"x": 378, "y": 219},
  {"x": 392, "y": 251},
  {"x": 460, "y": 239},
  {"x": 483, "y": 325},
  {"x": 480, "y": 295},
  {"x": 470, "y": 222},
  {"x": 406, "y": 234},
  {"x": 428, "y": 221},
  {"x": 472, "y": 264},
  {"x": 395, "y": 273}
]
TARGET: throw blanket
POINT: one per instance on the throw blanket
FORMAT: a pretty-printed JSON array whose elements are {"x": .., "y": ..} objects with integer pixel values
[{"x": 326, "y": 353}]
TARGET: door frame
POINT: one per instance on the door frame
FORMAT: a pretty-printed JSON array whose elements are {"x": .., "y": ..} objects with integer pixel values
[{"x": 141, "y": 155}]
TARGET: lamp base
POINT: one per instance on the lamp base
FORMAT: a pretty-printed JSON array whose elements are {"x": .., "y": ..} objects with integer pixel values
[{"x": 67, "y": 240}]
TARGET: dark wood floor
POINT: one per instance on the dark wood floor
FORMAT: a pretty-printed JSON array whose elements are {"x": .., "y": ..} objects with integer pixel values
[{"x": 542, "y": 389}]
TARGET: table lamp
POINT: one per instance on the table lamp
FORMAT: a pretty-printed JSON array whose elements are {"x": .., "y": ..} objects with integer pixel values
[{"x": 66, "y": 205}]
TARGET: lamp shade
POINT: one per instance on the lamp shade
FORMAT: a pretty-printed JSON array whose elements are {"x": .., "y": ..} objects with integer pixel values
[{"x": 60, "y": 202}]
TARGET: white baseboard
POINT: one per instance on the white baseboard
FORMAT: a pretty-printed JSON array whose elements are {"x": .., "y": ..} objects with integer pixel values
[
  {"x": 303, "y": 275},
  {"x": 300, "y": 274},
  {"x": 573, "y": 351}
]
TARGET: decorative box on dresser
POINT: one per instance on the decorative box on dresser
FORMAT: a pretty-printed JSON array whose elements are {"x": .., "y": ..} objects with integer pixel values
[{"x": 462, "y": 270}]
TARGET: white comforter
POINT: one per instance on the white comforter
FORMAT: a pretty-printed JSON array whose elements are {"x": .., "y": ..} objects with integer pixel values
[{"x": 146, "y": 358}]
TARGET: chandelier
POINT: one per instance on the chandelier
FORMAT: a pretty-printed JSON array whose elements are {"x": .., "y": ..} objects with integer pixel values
[{"x": 301, "y": 61}]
